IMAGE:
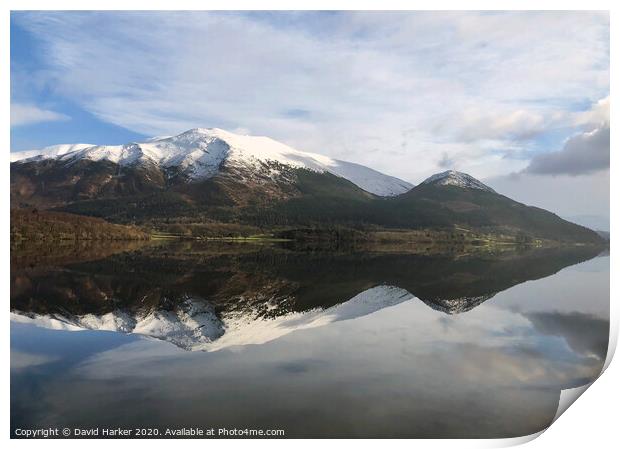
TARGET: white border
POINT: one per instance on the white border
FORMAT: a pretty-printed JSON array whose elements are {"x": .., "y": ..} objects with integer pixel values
[{"x": 592, "y": 422}]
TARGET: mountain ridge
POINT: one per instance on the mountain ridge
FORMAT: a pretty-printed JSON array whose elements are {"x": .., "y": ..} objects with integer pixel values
[{"x": 207, "y": 176}]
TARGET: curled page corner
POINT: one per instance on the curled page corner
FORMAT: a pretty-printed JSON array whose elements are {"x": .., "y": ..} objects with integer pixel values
[
  {"x": 517, "y": 441},
  {"x": 613, "y": 342},
  {"x": 567, "y": 397}
]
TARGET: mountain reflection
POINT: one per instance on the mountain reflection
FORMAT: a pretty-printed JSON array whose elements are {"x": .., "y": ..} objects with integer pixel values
[{"x": 202, "y": 296}]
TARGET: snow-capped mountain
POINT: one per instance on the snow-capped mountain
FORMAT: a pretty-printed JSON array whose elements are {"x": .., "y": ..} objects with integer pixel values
[
  {"x": 458, "y": 179},
  {"x": 201, "y": 153},
  {"x": 201, "y": 179}
]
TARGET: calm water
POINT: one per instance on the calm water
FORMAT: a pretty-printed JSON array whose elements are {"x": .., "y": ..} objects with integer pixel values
[{"x": 319, "y": 344}]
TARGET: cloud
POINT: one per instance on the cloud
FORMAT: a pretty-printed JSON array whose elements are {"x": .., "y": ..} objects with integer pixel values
[
  {"x": 415, "y": 86},
  {"x": 24, "y": 360},
  {"x": 445, "y": 161},
  {"x": 27, "y": 114},
  {"x": 488, "y": 358},
  {"x": 474, "y": 125},
  {"x": 598, "y": 114},
  {"x": 582, "y": 154},
  {"x": 572, "y": 181},
  {"x": 585, "y": 334}
]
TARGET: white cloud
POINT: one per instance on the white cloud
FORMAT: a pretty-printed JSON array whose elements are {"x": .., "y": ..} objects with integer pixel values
[
  {"x": 27, "y": 114},
  {"x": 475, "y": 124},
  {"x": 396, "y": 91},
  {"x": 597, "y": 116}
]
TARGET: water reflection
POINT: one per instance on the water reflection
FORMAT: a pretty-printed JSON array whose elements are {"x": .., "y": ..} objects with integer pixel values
[
  {"x": 319, "y": 344},
  {"x": 205, "y": 297}
]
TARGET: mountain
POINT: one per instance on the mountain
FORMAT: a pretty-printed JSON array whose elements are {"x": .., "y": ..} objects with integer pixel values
[
  {"x": 451, "y": 202},
  {"x": 456, "y": 198},
  {"x": 202, "y": 153},
  {"x": 210, "y": 182}
]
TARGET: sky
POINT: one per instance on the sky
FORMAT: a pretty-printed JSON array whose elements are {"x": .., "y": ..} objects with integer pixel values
[{"x": 517, "y": 99}]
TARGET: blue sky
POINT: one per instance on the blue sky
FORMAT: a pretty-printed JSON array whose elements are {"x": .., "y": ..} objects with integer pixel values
[
  {"x": 73, "y": 124},
  {"x": 410, "y": 94}
]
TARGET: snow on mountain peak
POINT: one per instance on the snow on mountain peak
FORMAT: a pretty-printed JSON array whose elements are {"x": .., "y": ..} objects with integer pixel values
[
  {"x": 458, "y": 179},
  {"x": 200, "y": 152},
  {"x": 48, "y": 152}
]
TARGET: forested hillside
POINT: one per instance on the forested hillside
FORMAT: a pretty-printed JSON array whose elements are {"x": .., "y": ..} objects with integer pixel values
[{"x": 32, "y": 224}]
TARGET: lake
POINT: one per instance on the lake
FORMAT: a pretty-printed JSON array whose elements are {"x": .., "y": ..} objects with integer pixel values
[{"x": 186, "y": 335}]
